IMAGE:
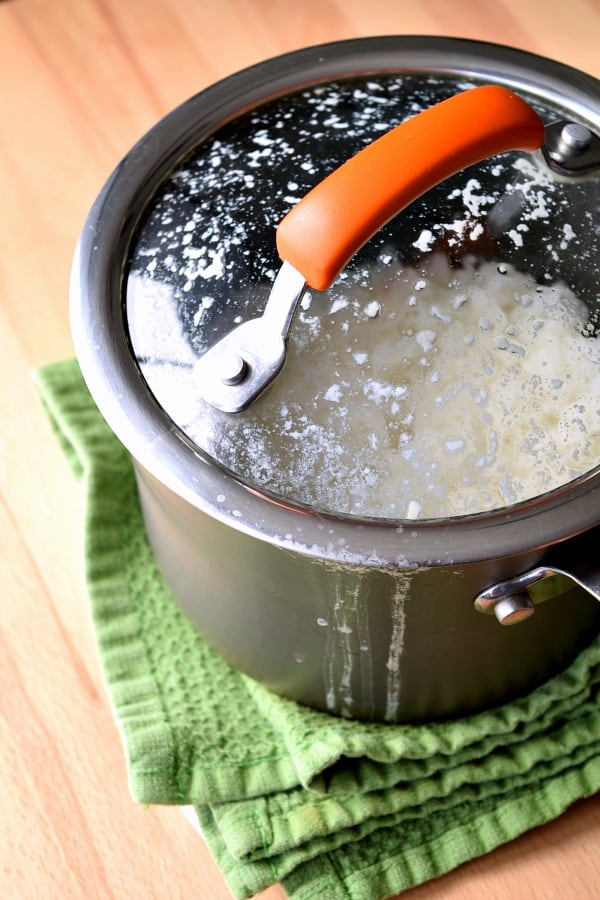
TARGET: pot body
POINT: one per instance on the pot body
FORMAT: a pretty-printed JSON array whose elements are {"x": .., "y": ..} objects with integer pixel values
[
  {"x": 377, "y": 643},
  {"x": 362, "y": 618}
]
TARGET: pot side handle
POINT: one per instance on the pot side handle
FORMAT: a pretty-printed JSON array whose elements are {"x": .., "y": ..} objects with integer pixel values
[
  {"x": 572, "y": 563},
  {"x": 327, "y": 227}
]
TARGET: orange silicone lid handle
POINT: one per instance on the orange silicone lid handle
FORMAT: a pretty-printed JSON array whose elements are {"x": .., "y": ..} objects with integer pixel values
[{"x": 325, "y": 229}]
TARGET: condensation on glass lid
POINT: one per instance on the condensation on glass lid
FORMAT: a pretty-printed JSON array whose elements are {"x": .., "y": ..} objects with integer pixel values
[{"x": 413, "y": 394}]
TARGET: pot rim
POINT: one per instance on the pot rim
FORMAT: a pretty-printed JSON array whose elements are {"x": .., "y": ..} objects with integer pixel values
[{"x": 159, "y": 447}]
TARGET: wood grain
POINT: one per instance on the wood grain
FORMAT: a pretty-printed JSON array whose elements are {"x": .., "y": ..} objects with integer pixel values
[{"x": 80, "y": 81}]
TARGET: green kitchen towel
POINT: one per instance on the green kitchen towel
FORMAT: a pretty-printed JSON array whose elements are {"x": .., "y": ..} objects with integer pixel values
[{"x": 329, "y": 807}]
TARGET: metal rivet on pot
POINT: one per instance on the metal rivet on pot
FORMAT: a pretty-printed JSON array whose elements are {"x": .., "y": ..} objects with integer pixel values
[
  {"x": 571, "y": 147},
  {"x": 514, "y": 608},
  {"x": 576, "y": 136},
  {"x": 232, "y": 368}
]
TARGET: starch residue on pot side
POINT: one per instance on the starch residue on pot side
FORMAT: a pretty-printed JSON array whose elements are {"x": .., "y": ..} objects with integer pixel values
[
  {"x": 393, "y": 664},
  {"x": 352, "y": 659}
]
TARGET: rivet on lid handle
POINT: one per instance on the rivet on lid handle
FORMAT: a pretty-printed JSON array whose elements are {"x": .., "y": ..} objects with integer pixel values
[
  {"x": 571, "y": 148},
  {"x": 319, "y": 236}
]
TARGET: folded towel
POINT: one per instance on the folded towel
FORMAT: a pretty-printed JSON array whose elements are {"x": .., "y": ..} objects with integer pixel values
[{"x": 329, "y": 807}]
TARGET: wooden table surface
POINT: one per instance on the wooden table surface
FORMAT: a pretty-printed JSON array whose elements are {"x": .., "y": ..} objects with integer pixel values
[{"x": 80, "y": 81}]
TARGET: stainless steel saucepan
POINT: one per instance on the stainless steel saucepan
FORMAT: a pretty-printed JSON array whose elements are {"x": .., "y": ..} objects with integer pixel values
[{"x": 225, "y": 288}]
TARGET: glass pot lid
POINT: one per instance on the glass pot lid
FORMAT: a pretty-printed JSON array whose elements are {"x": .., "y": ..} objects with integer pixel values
[{"x": 452, "y": 365}]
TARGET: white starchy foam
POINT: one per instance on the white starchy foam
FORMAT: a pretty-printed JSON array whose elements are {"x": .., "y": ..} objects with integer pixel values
[{"x": 470, "y": 389}]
